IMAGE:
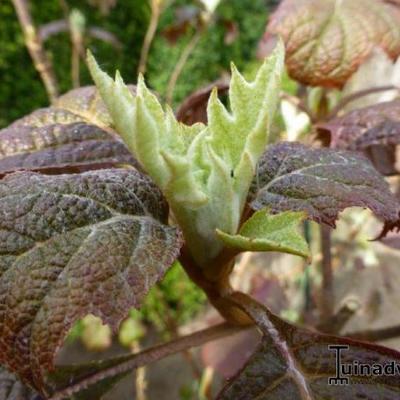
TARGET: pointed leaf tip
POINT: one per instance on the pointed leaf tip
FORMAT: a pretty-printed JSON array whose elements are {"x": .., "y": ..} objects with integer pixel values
[
  {"x": 118, "y": 77},
  {"x": 270, "y": 232},
  {"x": 91, "y": 61}
]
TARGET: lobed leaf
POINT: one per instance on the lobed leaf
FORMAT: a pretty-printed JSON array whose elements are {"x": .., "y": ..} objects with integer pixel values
[
  {"x": 72, "y": 245},
  {"x": 327, "y": 40},
  {"x": 321, "y": 183},
  {"x": 204, "y": 171},
  {"x": 374, "y": 130},
  {"x": 266, "y": 232},
  {"x": 73, "y": 135},
  {"x": 297, "y": 364}
]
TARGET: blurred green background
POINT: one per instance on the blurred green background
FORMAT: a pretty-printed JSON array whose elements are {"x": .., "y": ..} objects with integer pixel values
[{"x": 233, "y": 36}]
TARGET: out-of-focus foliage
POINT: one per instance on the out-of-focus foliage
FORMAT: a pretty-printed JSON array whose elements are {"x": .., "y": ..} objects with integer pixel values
[
  {"x": 169, "y": 304},
  {"x": 21, "y": 90},
  {"x": 173, "y": 301},
  {"x": 212, "y": 55}
]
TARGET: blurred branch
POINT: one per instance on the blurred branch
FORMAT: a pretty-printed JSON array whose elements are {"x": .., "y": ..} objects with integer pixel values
[
  {"x": 327, "y": 295},
  {"x": 357, "y": 95},
  {"x": 35, "y": 47},
  {"x": 151, "y": 31},
  {"x": 151, "y": 355},
  {"x": 205, "y": 389},
  {"x": 376, "y": 335},
  {"x": 101, "y": 34},
  {"x": 60, "y": 26},
  {"x": 140, "y": 378},
  {"x": 52, "y": 28},
  {"x": 181, "y": 63},
  {"x": 171, "y": 326},
  {"x": 77, "y": 27},
  {"x": 65, "y": 8},
  {"x": 341, "y": 318}
]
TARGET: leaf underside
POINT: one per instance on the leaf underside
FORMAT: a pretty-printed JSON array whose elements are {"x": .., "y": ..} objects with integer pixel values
[
  {"x": 295, "y": 364},
  {"x": 72, "y": 136},
  {"x": 72, "y": 245},
  {"x": 321, "y": 183},
  {"x": 327, "y": 40},
  {"x": 374, "y": 130}
]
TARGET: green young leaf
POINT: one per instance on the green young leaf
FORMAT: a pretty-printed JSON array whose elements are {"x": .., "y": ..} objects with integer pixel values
[
  {"x": 204, "y": 171},
  {"x": 267, "y": 232},
  {"x": 73, "y": 245}
]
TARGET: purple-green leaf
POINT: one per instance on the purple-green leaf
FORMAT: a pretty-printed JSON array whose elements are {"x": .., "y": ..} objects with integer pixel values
[
  {"x": 292, "y": 363},
  {"x": 321, "y": 182},
  {"x": 72, "y": 136},
  {"x": 327, "y": 40},
  {"x": 72, "y": 245},
  {"x": 374, "y": 130}
]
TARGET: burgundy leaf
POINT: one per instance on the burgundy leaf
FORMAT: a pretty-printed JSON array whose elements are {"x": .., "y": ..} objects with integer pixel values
[
  {"x": 194, "y": 107},
  {"x": 73, "y": 135},
  {"x": 72, "y": 245},
  {"x": 374, "y": 130},
  {"x": 327, "y": 40},
  {"x": 296, "y": 364},
  {"x": 321, "y": 182}
]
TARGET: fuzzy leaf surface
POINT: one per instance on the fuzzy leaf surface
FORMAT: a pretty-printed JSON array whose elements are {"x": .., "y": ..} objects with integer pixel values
[
  {"x": 321, "y": 183},
  {"x": 266, "y": 232},
  {"x": 72, "y": 245},
  {"x": 327, "y": 40},
  {"x": 205, "y": 171},
  {"x": 292, "y": 363},
  {"x": 374, "y": 130},
  {"x": 74, "y": 135}
]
